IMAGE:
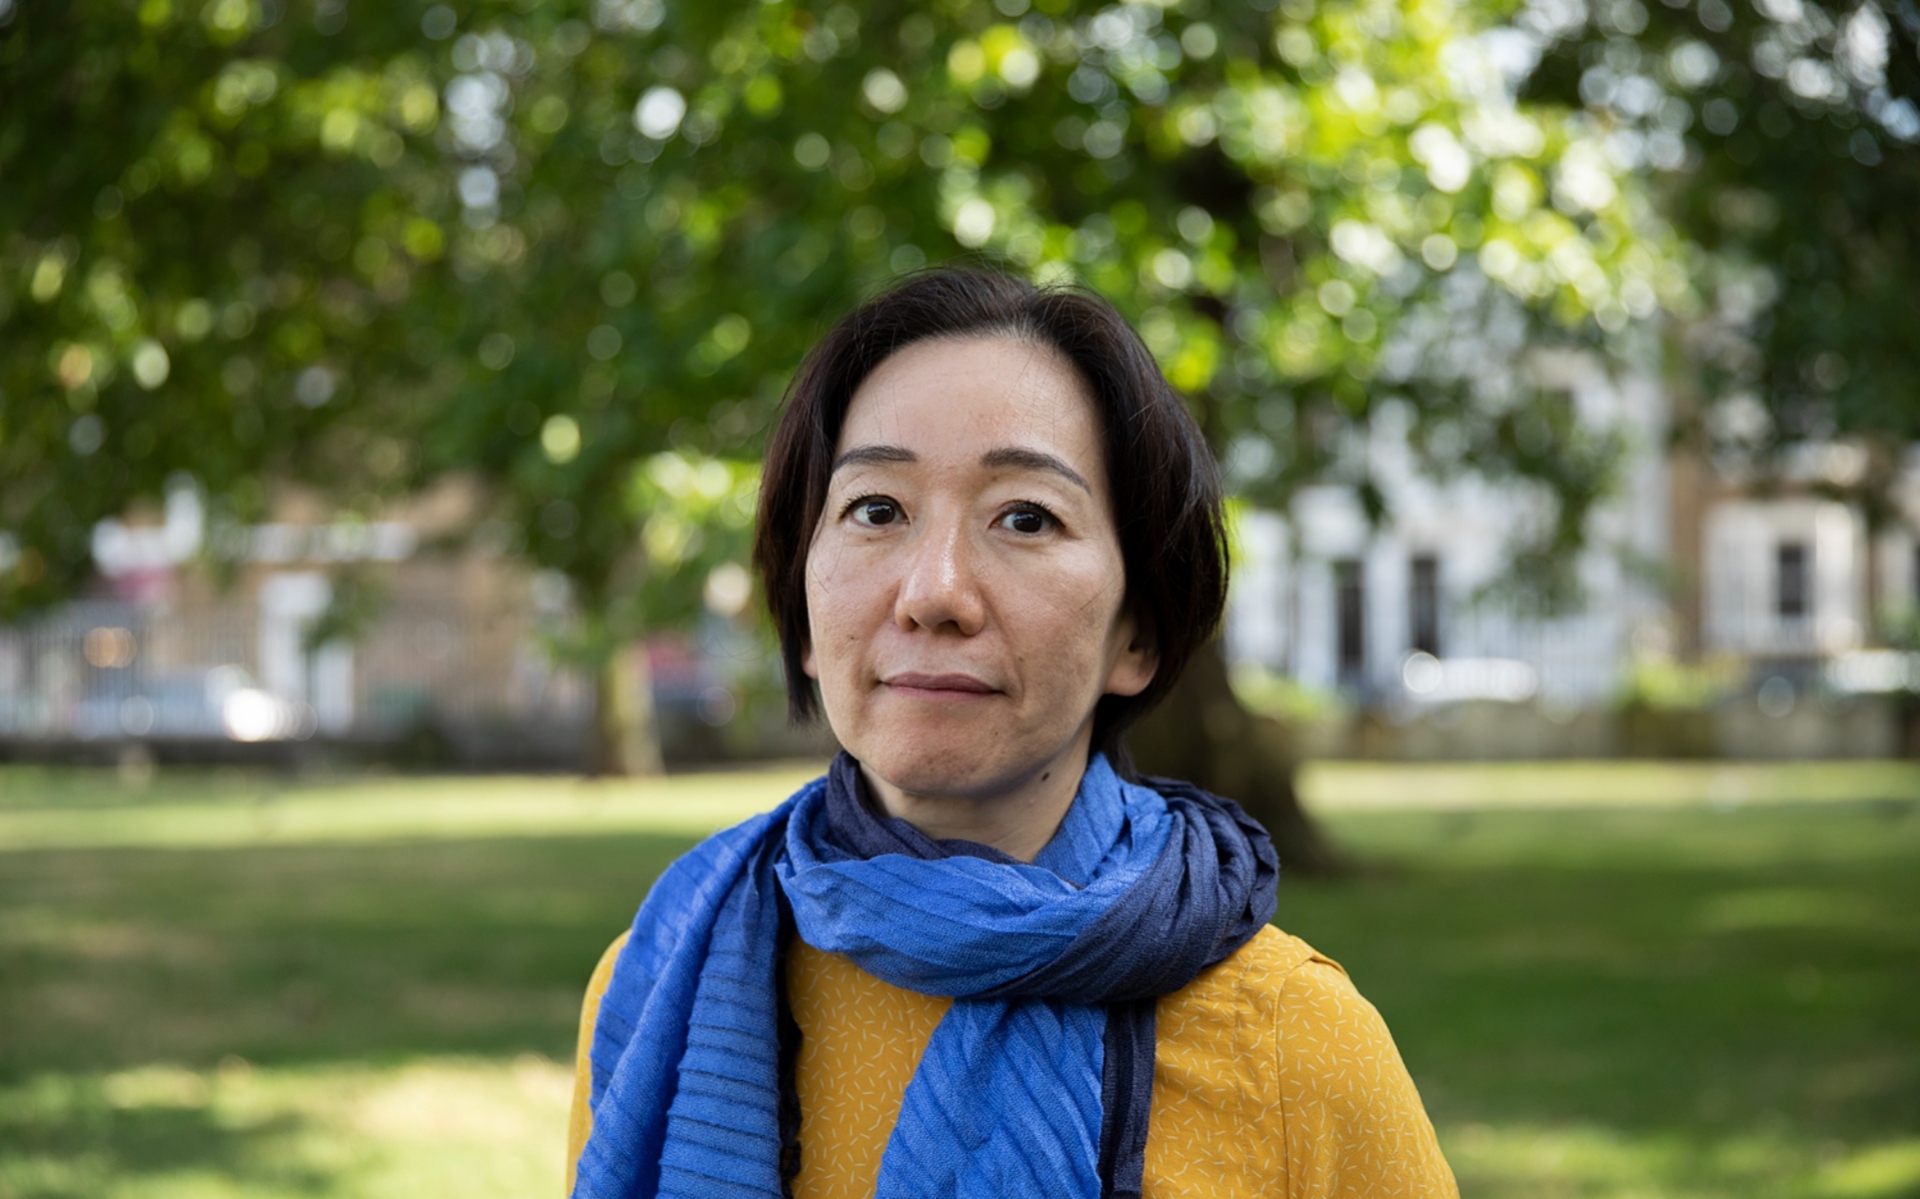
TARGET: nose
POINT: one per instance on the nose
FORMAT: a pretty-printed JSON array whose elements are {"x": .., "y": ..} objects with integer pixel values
[{"x": 940, "y": 589}]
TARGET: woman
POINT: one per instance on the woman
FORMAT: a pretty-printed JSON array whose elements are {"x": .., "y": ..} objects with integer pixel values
[{"x": 979, "y": 957}]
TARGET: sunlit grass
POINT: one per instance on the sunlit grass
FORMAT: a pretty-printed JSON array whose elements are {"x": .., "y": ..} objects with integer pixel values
[
  {"x": 224, "y": 985},
  {"x": 54, "y": 808},
  {"x": 70, "y": 809},
  {"x": 431, "y": 1126},
  {"x": 1603, "y": 1163},
  {"x": 1402, "y": 786}
]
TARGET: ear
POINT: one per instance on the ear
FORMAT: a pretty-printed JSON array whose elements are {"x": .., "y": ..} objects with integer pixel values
[
  {"x": 1134, "y": 661},
  {"x": 807, "y": 665}
]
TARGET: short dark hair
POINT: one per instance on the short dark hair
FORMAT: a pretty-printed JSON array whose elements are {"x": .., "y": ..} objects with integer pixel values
[{"x": 1165, "y": 485}]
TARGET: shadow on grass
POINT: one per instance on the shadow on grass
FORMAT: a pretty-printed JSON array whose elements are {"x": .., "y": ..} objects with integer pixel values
[
  {"x": 69, "y": 1137},
  {"x": 114, "y": 958},
  {"x": 1649, "y": 973}
]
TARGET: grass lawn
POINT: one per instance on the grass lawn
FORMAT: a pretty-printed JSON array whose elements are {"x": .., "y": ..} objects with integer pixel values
[{"x": 1608, "y": 980}]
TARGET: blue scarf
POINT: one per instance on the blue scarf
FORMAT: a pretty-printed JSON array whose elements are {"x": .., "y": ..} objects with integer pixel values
[{"x": 1038, "y": 1079}]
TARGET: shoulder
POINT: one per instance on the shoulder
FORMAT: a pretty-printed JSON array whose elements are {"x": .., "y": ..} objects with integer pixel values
[
  {"x": 1265, "y": 962},
  {"x": 1311, "y": 1060},
  {"x": 1304, "y": 997},
  {"x": 1308, "y": 995},
  {"x": 580, "y": 1114},
  {"x": 602, "y": 975},
  {"x": 1260, "y": 981}
]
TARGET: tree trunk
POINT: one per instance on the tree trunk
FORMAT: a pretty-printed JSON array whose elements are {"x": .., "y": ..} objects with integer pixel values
[
  {"x": 626, "y": 740},
  {"x": 1203, "y": 733}
]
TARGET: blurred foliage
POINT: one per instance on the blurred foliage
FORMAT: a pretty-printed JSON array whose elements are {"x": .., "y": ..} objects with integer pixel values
[
  {"x": 698, "y": 524},
  {"x": 265, "y": 242},
  {"x": 1663, "y": 684},
  {"x": 1284, "y": 698},
  {"x": 1786, "y": 141},
  {"x": 1900, "y": 629},
  {"x": 544, "y": 243}
]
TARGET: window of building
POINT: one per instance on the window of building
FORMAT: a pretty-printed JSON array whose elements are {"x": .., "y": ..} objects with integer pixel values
[
  {"x": 1792, "y": 590},
  {"x": 1423, "y": 605},
  {"x": 1350, "y": 616}
]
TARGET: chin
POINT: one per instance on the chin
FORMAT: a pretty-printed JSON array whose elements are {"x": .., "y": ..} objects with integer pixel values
[
  {"x": 965, "y": 751},
  {"x": 968, "y": 767}
]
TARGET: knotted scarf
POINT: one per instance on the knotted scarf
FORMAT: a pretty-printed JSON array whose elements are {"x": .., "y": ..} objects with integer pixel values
[{"x": 1038, "y": 1079}]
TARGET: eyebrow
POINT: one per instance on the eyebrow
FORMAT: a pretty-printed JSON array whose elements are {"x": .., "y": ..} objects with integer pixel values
[
  {"x": 1007, "y": 457},
  {"x": 872, "y": 455},
  {"x": 1019, "y": 459}
]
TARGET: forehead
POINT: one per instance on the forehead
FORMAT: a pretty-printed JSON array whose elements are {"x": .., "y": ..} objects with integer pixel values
[{"x": 963, "y": 396}]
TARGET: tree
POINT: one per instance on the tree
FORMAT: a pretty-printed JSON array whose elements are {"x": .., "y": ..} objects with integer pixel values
[
  {"x": 189, "y": 237},
  {"x": 1784, "y": 141},
  {"x": 545, "y": 244}
]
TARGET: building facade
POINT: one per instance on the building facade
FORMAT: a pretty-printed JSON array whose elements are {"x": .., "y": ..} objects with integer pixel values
[{"x": 1766, "y": 579}]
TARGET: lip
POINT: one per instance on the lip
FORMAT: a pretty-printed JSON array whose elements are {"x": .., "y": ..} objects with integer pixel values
[{"x": 939, "y": 686}]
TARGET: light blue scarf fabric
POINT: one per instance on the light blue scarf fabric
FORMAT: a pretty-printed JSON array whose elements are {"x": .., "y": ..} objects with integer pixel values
[{"x": 687, "y": 1092}]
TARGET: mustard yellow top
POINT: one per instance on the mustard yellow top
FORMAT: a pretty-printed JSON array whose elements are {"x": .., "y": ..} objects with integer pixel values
[{"x": 1271, "y": 1077}]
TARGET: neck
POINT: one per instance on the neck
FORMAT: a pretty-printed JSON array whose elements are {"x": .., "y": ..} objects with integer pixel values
[{"x": 1018, "y": 821}]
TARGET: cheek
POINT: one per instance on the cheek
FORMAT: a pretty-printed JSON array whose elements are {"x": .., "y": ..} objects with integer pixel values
[
  {"x": 834, "y": 605},
  {"x": 1083, "y": 607},
  {"x": 819, "y": 622}
]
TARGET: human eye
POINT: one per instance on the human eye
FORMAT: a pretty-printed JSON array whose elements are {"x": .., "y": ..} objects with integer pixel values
[
  {"x": 871, "y": 511},
  {"x": 1028, "y": 518}
]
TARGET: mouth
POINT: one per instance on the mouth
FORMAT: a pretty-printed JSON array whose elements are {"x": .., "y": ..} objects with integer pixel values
[{"x": 939, "y": 686}]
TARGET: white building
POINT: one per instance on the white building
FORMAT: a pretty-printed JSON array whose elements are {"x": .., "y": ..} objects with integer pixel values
[
  {"x": 1800, "y": 576},
  {"x": 1409, "y": 610}
]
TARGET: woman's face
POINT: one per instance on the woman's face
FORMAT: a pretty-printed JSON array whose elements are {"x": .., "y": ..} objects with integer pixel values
[{"x": 965, "y": 583}]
